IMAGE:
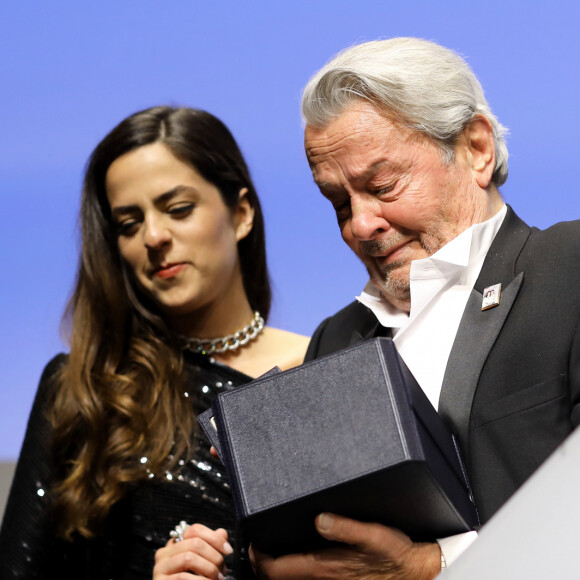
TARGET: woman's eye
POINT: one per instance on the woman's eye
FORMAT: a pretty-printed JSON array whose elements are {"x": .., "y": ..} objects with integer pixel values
[
  {"x": 127, "y": 227},
  {"x": 181, "y": 210}
]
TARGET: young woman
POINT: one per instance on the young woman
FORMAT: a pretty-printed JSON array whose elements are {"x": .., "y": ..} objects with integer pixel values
[{"x": 168, "y": 310}]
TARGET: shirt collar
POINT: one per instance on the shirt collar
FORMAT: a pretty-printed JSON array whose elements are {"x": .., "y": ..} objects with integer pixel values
[{"x": 466, "y": 252}]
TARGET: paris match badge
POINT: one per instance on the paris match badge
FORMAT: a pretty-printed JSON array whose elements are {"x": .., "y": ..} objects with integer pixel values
[{"x": 491, "y": 296}]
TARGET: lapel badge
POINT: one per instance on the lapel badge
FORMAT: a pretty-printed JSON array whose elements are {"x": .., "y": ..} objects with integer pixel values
[{"x": 491, "y": 296}]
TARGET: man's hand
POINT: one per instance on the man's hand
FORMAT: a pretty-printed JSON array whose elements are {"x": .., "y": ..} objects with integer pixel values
[{"x": 370, "y": 551}]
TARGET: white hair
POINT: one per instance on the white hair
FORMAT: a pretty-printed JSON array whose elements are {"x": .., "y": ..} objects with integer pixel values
[{"x": 421, "y": 84}]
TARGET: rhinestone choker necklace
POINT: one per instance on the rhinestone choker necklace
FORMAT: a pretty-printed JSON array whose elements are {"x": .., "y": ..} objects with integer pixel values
[{"x": 229, "y": 342}]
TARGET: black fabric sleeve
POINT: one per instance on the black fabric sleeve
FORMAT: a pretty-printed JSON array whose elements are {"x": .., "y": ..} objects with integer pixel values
[
  {"x": 574, "y": 379},
  {"x": 28, "y": 546}
]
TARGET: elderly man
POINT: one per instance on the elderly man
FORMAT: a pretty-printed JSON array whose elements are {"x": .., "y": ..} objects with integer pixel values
[{"x": 483, "y": 309}]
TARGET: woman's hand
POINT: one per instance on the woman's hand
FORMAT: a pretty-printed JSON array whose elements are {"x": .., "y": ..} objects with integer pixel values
[{"x": 199, "y": 555}]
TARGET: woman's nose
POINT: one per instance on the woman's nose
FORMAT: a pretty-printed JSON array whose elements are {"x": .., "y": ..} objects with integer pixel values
[{"x": 155, "y": 233}]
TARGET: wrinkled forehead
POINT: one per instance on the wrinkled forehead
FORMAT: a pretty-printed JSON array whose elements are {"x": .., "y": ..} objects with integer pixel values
[
  {"x": 363, "y": 138},
  {"x": 360, "y": 134},
  {"x": 356, "y": 117}
]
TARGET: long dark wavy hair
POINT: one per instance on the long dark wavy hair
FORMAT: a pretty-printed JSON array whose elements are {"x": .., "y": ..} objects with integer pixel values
[{"x": 119, "y": 396}]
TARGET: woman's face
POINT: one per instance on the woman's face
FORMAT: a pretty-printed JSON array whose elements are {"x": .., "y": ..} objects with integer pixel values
[{"x": 175, "y": 232}]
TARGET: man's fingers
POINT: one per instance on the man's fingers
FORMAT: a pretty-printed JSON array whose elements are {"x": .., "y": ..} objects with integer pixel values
[
  {"x": 364, "y": 535},
  {"x": 289, "y": 567},
  {"x": 365, "y": 550}
]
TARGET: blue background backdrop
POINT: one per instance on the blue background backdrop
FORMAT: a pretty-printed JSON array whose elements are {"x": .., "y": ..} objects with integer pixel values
[{"x": 70, "y": 71}]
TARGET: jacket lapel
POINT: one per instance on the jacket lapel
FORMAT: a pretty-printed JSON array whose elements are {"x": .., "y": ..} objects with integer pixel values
[
  {"x": 367, "y": 326},
  {"x": 479, "y": 329}
]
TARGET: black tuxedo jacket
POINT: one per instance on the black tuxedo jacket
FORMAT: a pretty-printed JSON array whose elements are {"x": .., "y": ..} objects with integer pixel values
[{"x": 511, "y": 390}]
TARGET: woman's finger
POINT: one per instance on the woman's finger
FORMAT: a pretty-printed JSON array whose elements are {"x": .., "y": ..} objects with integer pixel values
[
  {"x": 196, "y": 564},
  {"x": 218, "y": 539}
]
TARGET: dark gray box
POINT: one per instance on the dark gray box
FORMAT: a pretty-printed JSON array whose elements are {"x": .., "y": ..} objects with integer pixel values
[{"x": 351, "y": 433}]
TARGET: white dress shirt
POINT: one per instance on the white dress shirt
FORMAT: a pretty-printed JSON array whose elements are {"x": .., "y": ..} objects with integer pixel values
[{"x": 440, "y": 287}]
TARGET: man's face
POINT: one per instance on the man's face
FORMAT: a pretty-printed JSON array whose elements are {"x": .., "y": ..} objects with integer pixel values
[{"x": 395, "y": 198}]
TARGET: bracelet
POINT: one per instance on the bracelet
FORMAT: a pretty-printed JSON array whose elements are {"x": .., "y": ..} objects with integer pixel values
[{"x": 443, "y": 562}]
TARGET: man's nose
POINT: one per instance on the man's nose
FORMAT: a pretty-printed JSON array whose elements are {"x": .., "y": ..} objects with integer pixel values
[
  {"x": 155, "y": 233},
  {"x": 367, "y": 219}
]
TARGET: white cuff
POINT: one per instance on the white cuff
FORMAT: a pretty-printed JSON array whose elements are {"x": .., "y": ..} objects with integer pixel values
[{"x": 453, "y": 546}]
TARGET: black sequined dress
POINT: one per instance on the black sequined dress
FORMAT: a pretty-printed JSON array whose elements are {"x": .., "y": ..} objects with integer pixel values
[{"x": 140, "y": 523}]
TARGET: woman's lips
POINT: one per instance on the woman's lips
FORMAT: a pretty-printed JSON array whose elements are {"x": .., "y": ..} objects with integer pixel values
[{"x": 169, "y": 271}]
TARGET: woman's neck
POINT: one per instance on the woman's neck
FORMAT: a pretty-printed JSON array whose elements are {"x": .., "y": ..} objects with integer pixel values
[{"x": 214, "y": 322}]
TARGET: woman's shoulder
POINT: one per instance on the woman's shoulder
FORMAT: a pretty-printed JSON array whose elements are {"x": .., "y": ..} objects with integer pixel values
[
  {"x": 54, "y": 365},
  {"x": 288, "y": 348},
  {"x": 47, "y": 383}
]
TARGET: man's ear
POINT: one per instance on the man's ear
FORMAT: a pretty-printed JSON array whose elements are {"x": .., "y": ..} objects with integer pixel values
[
  {"x": 244, "y": 215},
  {"x": 479, "y": 136}
]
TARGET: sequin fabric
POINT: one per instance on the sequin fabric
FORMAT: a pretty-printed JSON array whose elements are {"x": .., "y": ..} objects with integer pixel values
[{"x": 196, "y": 490}]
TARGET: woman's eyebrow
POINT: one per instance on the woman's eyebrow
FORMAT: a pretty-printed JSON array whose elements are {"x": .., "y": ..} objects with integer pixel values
[{"x": 159, "y": 200}]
